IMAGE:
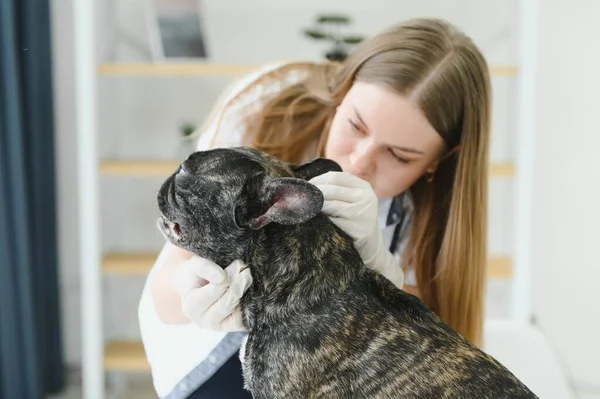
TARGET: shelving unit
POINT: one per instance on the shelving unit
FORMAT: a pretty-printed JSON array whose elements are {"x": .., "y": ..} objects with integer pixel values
[{"x": 128, "y": 356}]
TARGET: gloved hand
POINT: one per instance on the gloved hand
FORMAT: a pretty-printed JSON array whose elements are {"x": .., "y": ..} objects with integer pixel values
[
  {"x": 352, "y": 205},
  {"x": 210, "y": 295}
]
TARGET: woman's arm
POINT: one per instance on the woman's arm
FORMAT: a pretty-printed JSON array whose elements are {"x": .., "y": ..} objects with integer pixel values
[{"x": 167, "y": 302}]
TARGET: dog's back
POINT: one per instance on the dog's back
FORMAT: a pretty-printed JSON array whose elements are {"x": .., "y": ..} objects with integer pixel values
[{"x": 367, "y": 339}]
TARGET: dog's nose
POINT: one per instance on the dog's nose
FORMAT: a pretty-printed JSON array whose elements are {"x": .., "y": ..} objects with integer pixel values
[{"x": 181, "y": 170}]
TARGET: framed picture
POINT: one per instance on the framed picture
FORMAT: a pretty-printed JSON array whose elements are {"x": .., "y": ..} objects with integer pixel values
[{"x": 176, "y": 30}]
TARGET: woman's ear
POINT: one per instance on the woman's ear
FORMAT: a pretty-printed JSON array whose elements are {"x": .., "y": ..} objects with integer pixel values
[
  {"x": 430, "y": 172},
  {"x": 432, "y": 169}
]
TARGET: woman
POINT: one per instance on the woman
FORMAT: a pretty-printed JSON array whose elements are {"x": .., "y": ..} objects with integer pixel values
[{"x": 407, "y": 116}]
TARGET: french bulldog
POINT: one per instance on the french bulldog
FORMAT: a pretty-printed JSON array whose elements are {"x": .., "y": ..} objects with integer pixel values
[{"x": 320, "y": 324}]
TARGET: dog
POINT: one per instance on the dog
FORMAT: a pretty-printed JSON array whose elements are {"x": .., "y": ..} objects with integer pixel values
[{"x": 320, "y": 323}]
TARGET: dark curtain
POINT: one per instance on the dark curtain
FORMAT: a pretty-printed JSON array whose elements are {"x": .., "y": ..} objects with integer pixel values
[{"x": 31, "y": 362}]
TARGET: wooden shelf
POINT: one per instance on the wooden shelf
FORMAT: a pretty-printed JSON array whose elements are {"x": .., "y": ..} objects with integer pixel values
[
  {"x": 215, "y": 69},
  {"x": 128, "y": 264},
  {"x": 504, "y": 70},
  {"x": 125, "y": 356},
  {"x": 506, "y": 169},
  {"x": 154, "y": 168},
  {"x": 500, "y": 267},
  {"x": 175, "y": 69},
  {"x": 149, "y": 168},
  {"x": 132, "y": 264}
]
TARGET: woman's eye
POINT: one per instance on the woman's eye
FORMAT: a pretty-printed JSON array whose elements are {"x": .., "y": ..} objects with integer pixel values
[
  {"x": 398, "y": 157},
  {"x": 355, "y": 126}
]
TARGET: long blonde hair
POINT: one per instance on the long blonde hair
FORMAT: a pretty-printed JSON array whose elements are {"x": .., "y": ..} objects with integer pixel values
[{"x": 442, "y": 70}]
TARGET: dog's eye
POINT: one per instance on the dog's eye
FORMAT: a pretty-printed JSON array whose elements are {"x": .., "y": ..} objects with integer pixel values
[{"x": 182, "y": 171}]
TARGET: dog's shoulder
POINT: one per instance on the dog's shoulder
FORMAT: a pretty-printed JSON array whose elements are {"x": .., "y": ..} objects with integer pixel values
[{"x": 399, "y": 303}]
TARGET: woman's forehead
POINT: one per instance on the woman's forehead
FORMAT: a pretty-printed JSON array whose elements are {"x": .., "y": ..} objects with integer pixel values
[{"x": 391, "y": 117}]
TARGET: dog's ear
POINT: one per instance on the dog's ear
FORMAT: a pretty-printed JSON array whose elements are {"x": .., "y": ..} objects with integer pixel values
[
  {"x": 282, "y": 200},
  {"x": 319, "y": 166}
]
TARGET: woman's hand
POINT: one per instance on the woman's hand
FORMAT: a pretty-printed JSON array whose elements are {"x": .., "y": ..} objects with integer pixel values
[
  {"x": 352, "y": 205},
  {"x": 210, "y": 295}
]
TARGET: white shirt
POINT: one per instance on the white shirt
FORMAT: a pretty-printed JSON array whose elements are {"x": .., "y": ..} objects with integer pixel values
[{"x": 182, "y": 357}]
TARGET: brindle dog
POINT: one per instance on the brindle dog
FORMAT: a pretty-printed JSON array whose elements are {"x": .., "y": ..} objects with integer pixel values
[{"x": 320, "y": 324}]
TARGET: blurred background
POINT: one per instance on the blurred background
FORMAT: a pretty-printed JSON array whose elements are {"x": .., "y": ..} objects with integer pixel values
[{"x": 96, "y": 112}]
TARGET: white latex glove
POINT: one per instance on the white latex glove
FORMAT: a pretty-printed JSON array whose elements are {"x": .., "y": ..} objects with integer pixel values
[
  {"x": 352, "y": 205},
  {"x": 210, "y": 295}
]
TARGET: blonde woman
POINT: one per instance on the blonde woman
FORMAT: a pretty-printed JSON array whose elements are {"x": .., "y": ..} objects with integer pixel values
[{"x": 407, "y": 116}]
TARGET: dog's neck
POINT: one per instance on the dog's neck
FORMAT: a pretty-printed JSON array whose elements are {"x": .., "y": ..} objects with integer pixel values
[{"x": 296, "y": 268}]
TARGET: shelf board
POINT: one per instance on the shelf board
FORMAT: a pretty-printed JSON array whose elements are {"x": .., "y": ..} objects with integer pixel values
[
  {"x": 151, "y": 168},
  {"x": 505, "y": 169},
  {"x": 125, "y": 356},
  {"x": 156, "y": 168},
  {"x": 504, "y": 70},
  {"x": 139, "y": 264},
  {"x": 500, "y": 267},
  {"x": 216, "y": 69},
  {"x": 174, "y": 69},
  {"x": 128, "y": 264}
]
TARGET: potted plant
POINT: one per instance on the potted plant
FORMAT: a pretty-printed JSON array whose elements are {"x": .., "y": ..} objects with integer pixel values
[
  {"x": 329, "y": 28},
  {"x": 187, "y": 139}
]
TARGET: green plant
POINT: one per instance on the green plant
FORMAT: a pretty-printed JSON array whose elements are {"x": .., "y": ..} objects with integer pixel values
[
  {"x": 186, "y": 130},
  {"x": 329, "y": 28}
]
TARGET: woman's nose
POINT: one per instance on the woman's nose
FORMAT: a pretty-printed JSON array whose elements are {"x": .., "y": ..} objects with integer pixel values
[{"x": 362, "y": 159}]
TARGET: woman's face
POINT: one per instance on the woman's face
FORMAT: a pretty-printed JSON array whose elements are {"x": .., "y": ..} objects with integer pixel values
[{"x": 383, "y": 138}]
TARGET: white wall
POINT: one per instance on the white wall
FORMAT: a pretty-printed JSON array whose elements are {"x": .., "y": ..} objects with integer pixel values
[
  {"x": 138, "y": 118},
  {"x": 566, "y": 214}
]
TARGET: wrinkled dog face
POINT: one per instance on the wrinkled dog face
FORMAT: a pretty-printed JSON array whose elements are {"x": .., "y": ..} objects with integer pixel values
[{"x": 217, "y": 199}]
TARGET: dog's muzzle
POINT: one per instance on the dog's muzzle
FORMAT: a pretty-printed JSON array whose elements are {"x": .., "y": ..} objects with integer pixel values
[{"x": 170, "y": 230}]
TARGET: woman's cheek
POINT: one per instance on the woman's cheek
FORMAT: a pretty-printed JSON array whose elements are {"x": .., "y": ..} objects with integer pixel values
[
  {"x": 344, "y": 141},
  {"x": 336, "y": 144}
]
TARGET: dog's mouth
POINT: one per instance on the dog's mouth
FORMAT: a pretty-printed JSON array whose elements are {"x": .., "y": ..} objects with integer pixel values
[{"x": 171, "y": 230}]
